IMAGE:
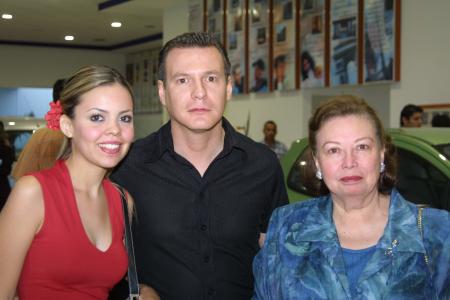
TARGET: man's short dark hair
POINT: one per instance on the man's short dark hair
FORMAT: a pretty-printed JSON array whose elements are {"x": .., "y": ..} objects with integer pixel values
[
  {"x": 408, "y": 111},
  {"x": 57, "y": 89},
  {"x": 270, "y": 122},
  {"x": 280, "y": 59},
  {"x": 259, "y": 64},
  {"x": 192, "y": 40}
]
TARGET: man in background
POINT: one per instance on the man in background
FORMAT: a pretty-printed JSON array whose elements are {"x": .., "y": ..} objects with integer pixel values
[
  {"x": 203, "y": 193},
  {"x": 270, "y": 132},
  {"x": 43, "y": 147},
  {"x": 411, "y": 116},
  {"x": 259, "y": 82}
]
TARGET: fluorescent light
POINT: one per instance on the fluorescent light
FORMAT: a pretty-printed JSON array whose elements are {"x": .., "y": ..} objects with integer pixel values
[
  {"x": 69, "y": 38},
  {"x": 116, "y": 24},
  {"x": 7, "y": 16}
]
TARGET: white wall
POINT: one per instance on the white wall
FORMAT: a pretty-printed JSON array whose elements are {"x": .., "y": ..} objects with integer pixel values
[
  {"x": 26, "y": 66},
  {"x": 425, "y": 53}
]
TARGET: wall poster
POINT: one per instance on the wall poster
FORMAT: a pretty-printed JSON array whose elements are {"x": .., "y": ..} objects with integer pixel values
[
  {"x": 236, "y": 44},
  {"x": 195, "y": 15},
  {"x": 379, "y": 40},
  {"x": 312, "y": 43},
  {"x": 259, "y": 45},
  {"x": 215, "y": 18},
  {"x": 141, "y": 73},
  {"x": 283, "y": 60},
  {"x": 343, "y": 42}
]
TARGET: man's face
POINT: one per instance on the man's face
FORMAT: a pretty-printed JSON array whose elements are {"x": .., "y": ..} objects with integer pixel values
[
  {"x": 270, "y": 131},
  {"x": 195, "y": 90},
  {"x": 280, "y": 70},
  {"x": 414, "y": 121},
  {"x": 237, "y": 75},
  {"x": 258, "y": 73}
]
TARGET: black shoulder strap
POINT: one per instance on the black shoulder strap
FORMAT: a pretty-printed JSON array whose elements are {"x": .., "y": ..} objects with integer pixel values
[{"x": 133, "y": 282}]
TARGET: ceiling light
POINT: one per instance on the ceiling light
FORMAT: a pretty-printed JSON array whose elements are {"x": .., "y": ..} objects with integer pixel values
[
  {"x": 69, "y": 38},
  {"x": 116, "y": 24},
  {"x": 11, "y": 123},
  {"x": 7, "y": 16}
]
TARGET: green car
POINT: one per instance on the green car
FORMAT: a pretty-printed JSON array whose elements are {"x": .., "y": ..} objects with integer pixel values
[{"x": 423, "y": 175}]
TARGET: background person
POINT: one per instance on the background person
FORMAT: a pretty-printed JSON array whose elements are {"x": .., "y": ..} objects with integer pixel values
[
  {"x": 43, "y": 147},
  {"x": 360, "y": 239},
  {"x": 411, "y": 116},
  {"x": 270, "y": 132},
  {"x": 279, "y": 70},
  {"x": 259, "y": 81},
  {"x": 62, "y": 229},
  {"x": 311, "y": 75},
  {"x": 238, "y": 79},
  {"x": 203, "y": 192},
  {"x": 440, "y": 120},
  {"x": 6, "y": 161}
]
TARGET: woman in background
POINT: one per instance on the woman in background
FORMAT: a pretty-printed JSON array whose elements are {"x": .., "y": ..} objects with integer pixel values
[
  {"x": 361, "y": 239},
  {"x": 62, "y": 229}
]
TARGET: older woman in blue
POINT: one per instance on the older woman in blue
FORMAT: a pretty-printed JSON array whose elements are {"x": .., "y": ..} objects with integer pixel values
[{"x": 360, "y": 239}]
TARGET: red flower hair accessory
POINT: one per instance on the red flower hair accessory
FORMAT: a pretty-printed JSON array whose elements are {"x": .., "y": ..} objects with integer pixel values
[{"x": 53, "y": 115}]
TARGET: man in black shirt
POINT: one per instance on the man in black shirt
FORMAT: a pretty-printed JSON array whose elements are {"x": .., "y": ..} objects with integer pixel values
[{"x": 203, "y": 192}]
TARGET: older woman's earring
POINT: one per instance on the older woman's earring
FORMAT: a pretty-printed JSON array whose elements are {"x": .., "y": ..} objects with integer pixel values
[
  {"x": 382, "y": 167},
  {"x": 319, "y": 175}
]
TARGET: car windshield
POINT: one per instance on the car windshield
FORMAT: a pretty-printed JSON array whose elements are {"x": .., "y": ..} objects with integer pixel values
[{"x": 444, "y": 149}]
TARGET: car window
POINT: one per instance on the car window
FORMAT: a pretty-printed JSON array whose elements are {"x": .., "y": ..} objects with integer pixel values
[
  {"x": 420, "y": 182},
  {"x": 444, "y": 149},
  {"x": 297, "y": 172}
]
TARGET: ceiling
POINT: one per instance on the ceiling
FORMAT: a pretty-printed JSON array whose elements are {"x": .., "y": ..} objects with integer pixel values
[{"x": 46, "y": 22}]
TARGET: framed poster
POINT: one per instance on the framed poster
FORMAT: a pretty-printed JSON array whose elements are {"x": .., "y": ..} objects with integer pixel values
[
  {"x": 312, "y": 43},
  {"x": 215, "y": 18},
  {"x": 436, "y": 115},
  {"x": 235, "y": 44},
  {"x": 380, "y": 36},
  {"x": 195, "y": 15},
  {"x": 141, "y": 73},
  {"x": 258, "y": 46},
  {"x": 283, "y": 41},
  {"x": 343, "y": 42}
]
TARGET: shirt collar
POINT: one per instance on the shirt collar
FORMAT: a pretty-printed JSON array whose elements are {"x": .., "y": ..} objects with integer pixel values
[
  {"x": 401, "y": 232},
  {"x": 165, "y": 140}
]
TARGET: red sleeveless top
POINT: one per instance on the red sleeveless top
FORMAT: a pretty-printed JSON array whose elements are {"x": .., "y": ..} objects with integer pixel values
[{"x": 62, "y": 263}]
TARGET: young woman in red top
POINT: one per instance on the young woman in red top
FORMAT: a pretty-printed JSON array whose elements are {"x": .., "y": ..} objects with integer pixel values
[{"x": 61, "y": 231}]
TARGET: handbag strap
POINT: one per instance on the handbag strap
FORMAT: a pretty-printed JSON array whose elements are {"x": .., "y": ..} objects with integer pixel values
[{"x": 133, "y": 282}]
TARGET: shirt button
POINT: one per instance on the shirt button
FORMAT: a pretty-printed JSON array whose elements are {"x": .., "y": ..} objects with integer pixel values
[
  {"x": 211, "y": 291},
  {"x": 206, "y": 258},
  {"x": 203, "y": 227}
]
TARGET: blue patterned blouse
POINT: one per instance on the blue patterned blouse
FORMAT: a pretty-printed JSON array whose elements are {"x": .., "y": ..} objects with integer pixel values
[{"x": 301, "y": 257}]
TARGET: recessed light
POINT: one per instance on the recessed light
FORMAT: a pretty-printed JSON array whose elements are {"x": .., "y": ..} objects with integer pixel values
[
  {"x": 116, "y": 24},
  {"x": 7, "y": 16},
  {"x": 69, "y": 38}
]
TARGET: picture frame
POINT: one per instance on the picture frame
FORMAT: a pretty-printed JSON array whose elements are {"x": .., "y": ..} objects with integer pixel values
[{"x": 381, "y": 40}]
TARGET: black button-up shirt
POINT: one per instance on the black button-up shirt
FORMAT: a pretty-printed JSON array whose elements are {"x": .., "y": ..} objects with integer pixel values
[{"x": 195, "y": 237}]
